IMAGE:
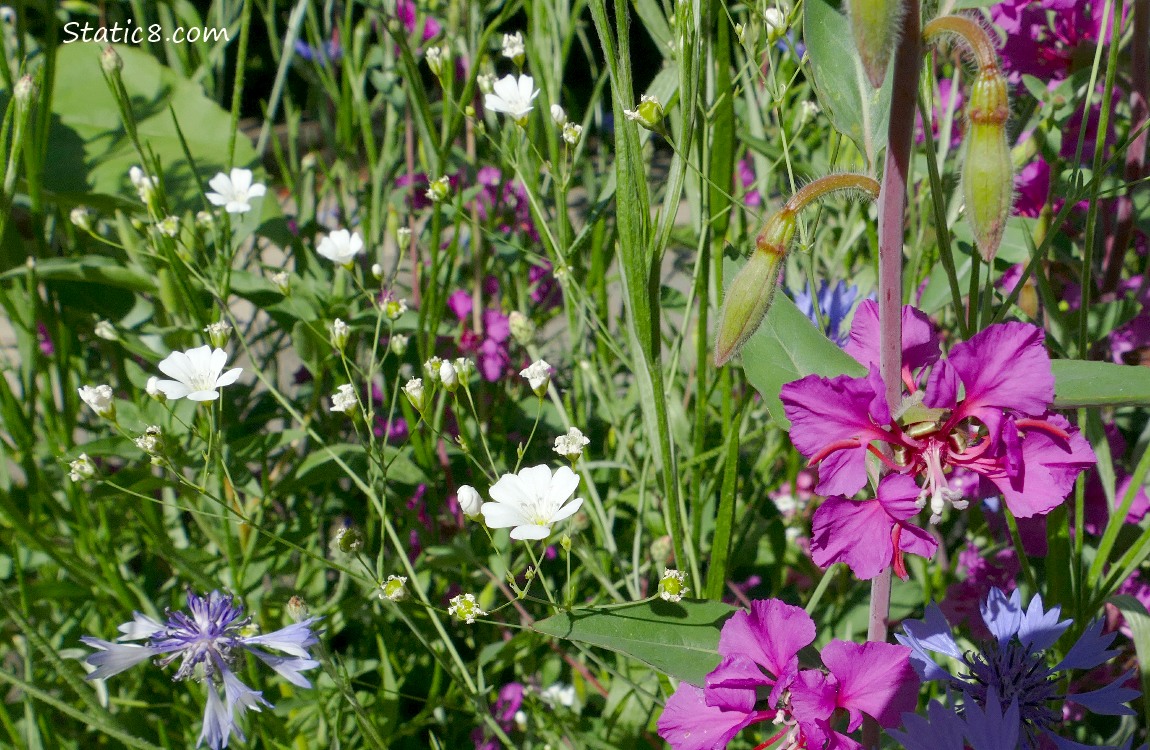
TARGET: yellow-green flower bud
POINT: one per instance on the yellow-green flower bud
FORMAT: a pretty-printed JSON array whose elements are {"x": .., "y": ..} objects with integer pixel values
[
  {"x": 672, "y": 586},
  {"x": 751, "y": 292},
  {"x": 349, "y": 540},
  {"x": 649, "y": 113},
  {"x": 875, "y": 24},
  {"x": 987, "y": 172}
]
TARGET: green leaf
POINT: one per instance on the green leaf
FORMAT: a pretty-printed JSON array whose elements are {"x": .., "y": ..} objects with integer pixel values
[
  {"x": 92, "y": 269},
  {"x": 1078, "y": 383},
  {"x": 1139, "y": 621},
  {"x": 680, "y": 639},
  {"x": 788, "y": 347},
  {"x": 857, "y": 109}
]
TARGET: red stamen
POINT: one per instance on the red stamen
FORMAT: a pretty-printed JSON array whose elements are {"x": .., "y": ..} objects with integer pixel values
[
  {"x": 829, "y": 449},
  {"x": 973, "y": 451},
  {"x": 908, "y": 379},
  {"x": 898, "y": 562},
  {"x": 883, "y": 457},
  {"x": 1043, "y": 426},
  {"x": 772, "y": 740}
]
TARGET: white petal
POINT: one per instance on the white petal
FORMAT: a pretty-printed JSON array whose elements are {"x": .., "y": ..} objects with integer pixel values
[
  {"x": 512, "y": 489},
  {"x": 203, "y": 395},
  {"x": 216, "y": 199},
  {"x": 241, "y": 179},
  {"x": 173, "y": 389},
  {"x": 238, "y": 208},
  {"x": 561, "y": 487},
  {"x": 229, "y": 377},
  {"x": 256, "y": 190},
  {"x": 221, "y": 184},
  {"x": 567, "y": 510},
  {"x": 506, "y": 88},
  {"x": 500, "y": 515},
  {"x": 531, "y": 532},
  {"x": 177, "y": 366},
  {"x": 200, "y": 358}
]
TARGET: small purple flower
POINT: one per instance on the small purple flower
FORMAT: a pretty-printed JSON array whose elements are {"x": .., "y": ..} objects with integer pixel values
[
  {"x": 506, "y": 706},
  {"x": 835, "y": 305},
  {"x": 1011, "y": 669},
  {"x": 208, "y": 639}
]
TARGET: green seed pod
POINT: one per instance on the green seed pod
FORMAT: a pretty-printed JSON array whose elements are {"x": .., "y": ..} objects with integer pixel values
[
  {"x": 753, "y": 288},
  {"x": 875, "y": 24},
  {"x": 987, "y": 172}
]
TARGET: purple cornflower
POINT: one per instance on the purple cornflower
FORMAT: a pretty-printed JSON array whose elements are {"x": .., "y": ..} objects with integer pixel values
[
  {"x": 1000, "y": 429},
  {"x": 835, "y": 305},
  {"x": 208, "y": 639},
  {"x": 1010, "y": 668},
  {"x": 943, "y": 729},
  {"x": 759, "y": 680}
]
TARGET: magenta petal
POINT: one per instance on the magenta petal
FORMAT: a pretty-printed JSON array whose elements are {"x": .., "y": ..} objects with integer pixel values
[
  {"x": 813, "y": 698},
  {"x": 1004, "y": 367},
  {"x": 898, "y": 495},
  {"x": 731, "y": 685},
  {"x": 771, "y": 635},
  {"x": 857, "y": 533},
  {"x": 941, "y": 387},
  {"x": 919, "y": 342},
  {"x": 825, "y": 412},
  {"x": 874, "y": 678},
  {"x": 460, "y": 304},
  {"x": 688, "y": 723},
  {"x": 1049, "y": 467}
]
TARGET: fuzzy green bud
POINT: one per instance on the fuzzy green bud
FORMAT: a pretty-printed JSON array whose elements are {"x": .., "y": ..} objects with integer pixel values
[
  {"x": 987, "y": 171},
  {"x": 394, "y": 589},
  {"x": 349, "y": 540},
  {"x": 753, "y": 289},
  {"x": 649, "y": 113},
  {"x": 875, "y": 25},
  {"x": 672, "y": 586}
]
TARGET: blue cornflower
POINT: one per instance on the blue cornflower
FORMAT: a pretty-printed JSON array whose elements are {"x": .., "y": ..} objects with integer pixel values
[
  {"x": 1011, "y": 669},
  {"x": 944, "y": 729},
  {"x": 834, "y": 303},
  {"x": 208, "y": 639}
]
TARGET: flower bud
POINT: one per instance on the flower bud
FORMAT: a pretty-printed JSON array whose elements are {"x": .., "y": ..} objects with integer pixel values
[
  {"x": 349, "y": 540},
  {"x": 297, "y": 609},
  {"x": 775, "y": 23},
  {"x": 431, "y": 369},
  {"x": 82, "y": 468},
  {"x": 218, "y": 334},
  {"x": 100, "y": 399},
  {"x": 987, "y": 171},
  {"x": 671, "y": 585},
  {"x": 82, "y": 218},
  {"x": 466, "y": 608},
  {"x": 110, "y": 60},
  {"x": 469, "y": 501},
  {"x": 398, "y": 344},
  {"x": 753, "y": 289},
  {"x": 558, "y": 116},
  {"x": 875, "y": 24},
  {"x": 522, "y": 329},
  {"x": 416, "y": 394},
  {"x": 340, "y": 332},
  {"x": 282, "y": 281},
  {"x": 376, "y": 271},
  {"x": 649, "y": 113},
  {"x": 464, "y": 367},
  {"x": 448, "y": 376},
  {"x": 154, "y": 391},
  {"x": 571, "y": 133},
  {"x": 436, "y": 57},
  {"x": 152, "y": 441},
  {"x": 439, "y": 190},
  {"x": 23, "y": 91},
  {"x": 394, "y": 588},
  {"x": 105, "y": 330}
]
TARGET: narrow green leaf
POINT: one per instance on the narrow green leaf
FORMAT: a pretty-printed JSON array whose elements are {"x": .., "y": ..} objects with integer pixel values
[
  {"x": 857, "y": 109},
  {"x": 680, "y": 639},
  {"x": 1078, "y": 383},
  {"x": 92, "y": 268},
  {"x": 1139, "y": 621}
]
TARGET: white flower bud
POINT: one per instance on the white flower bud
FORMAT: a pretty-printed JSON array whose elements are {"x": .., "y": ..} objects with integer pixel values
[
  {"x": 416, "y": 394},
  {"x": 469, "y": 501},
  {"x": 82, "y": 468},
  {"x": 538, "y": 375},
  {"x": 340, "y": 332},
  {"x": 558, "y": 116},
  {"x": 100, "y": 399},
  {"x": 448, "y": 376},
  {"x": 105, "y": 330}
]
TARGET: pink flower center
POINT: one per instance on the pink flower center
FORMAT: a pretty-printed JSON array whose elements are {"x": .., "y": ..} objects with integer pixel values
[{"x": 937, "y": 488}]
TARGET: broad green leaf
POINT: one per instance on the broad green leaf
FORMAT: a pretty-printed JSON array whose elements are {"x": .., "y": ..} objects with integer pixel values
[
  {"x": 1079, "y": 383},
  {"x": 857, "y": 109},
  {"x": 1139, "y": 621},
  {"x": 90, "y": 151},
  {"x": 93, "y": 269},
  {"x": 680, "y": 639},
  {"x": 788, "y": 347}
]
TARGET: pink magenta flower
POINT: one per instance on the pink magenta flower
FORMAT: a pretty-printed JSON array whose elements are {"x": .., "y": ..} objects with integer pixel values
[
  {"x": 760, "y": 653},
  {"x": 1000, "y": 427}
]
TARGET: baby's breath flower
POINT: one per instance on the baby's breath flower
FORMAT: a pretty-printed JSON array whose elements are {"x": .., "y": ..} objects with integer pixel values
[
  {"x": 416, "y": 394},
  {"x": 469, "y": 501},
  {"x": 448, "y": 376},
  {"x": 571, "y": 445},
  {"x": 151, "y": 442},
  {"x": 394, "y": 308},
  {"x": 431, "y": 368},
  {"x": 538, "y": 375},
  {"x": 153, "y": 389},
  {"x": 234, "y": 191},
  {"x": 522, "y": 329},
  {"x": 436, "y": 57},
  {"x": 558, "y": 116},
  {"x": 776, "y": 24},
  {"x": 197, "y": 374},
  {"x": 394, "y": 588},
  {"x": 100, "y": 398},
  {"x": 376, "y": 271},
  {"x": 204, "y": 220},
  {"x": 340, "y": 332},
  {"x": 145, "y": 185},
  {"x": 464, "y": 367},
  {"x": 513, "y": 48},
  {"x": 218, "y": 333},
  {"x": 81, "y": 217},
  {"x": 82, "y": 468},
  {"x": 344, "y": 400},
  {"x": 169, "y": 226},
  {"x": 439, "y": 190},
  {"x": 341, "y": 246},
  {"x": 808, "y": 110},
  {"x": 349, "y": 540},
  {"x": 572, "y": 133},
  {"x": 403, "y": 236},
  {"x": 282, "y": 280},
  {"x": 465, "y": 608},
  {"x": 513, "y": 97},
  {"x": 486, "y": 82},
  {"x": 649, "y": 113},
  {"x": 671, "y": 585},
  {"x": 105, "y": 330},
  {"x": 398, "y": 344}
]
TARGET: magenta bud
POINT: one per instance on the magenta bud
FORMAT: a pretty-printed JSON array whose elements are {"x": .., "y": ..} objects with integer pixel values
[{"x": 875, "y": 24}]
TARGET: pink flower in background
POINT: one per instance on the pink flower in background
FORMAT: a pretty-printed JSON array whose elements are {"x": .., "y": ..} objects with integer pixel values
[
  {"x": 1048, "y": 45},
  {"x": 405, "y": 11},
  {"x": 943, "y": 107},
  {"x": 1032, "y": 187},
  {"x": 1001, "y": 428},
  {"x": 746, "y": 175},
  {"x": 980, "y": 574}
]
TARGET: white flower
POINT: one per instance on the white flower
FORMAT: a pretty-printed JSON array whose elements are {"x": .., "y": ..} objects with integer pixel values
[
  {"x": 169, "y": 226},
  {"x": 775, "y": 23},
  {"x": 558, "y": 116},
  {"x": 282, "y": 280},
  {"x": 153, "y": 389},
  {"x": 340, "y": 331},
  {"x": 196, "y": 374},
  {"x": 436, "y": 56},
  {"x": 513, "y": 48},
  {"x": 393, "y": 589},
  {"x": 398, "y": 344},
  {"x": 463, "y": 368},
  {"x": 466, "y": 608},
  {"x": 538, "y": 375},
  {"x": 376, "y": 271},
  {"x": 571, "y": 444},
  {"x": 671, "y": 585},
  {"x": 448, "y": 376},
  {"x": 145, "y": 185},
  {"x": 99, "y": 398},
  {"x": 558, "y": 694},
  {"x": 82, "y": 468},
  {"x": 531, "y": 501},
  {"x": 149, "y": 442},
  {"x": 431, "y": 368},
  {"x": 341, "y": 246},
  {"x": 394, "y": 308},
  {"x": 403, "y": 236},
  {"x": 344, "y": 399},
  {"x": 234, "y": 192},
  {"x": 105, "y": 330},
  {"x": 469, "y": 501},
  {"x": 81, "y": 217},
  {"x": 439, "y": 189},
  {"x": 512, "y": 96},
  {"x": 486, "y": 82},
  {"x": 415, "y": 393},
  {"x": 218, "y": 333},
  {"x": 571, "y": 133}
]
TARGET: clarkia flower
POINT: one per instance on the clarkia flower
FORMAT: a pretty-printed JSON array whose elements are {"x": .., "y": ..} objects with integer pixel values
[
  {"x": 532, "y": 501},
  {"x": 1012, "y": 666},
  {"x": 208, "y": 640},
  {"x": 197, "y": 374},
  {"x": 1001, "y": 428},
  {"x": 759, "y": 680},
  {"x": 234, "y": 191}
]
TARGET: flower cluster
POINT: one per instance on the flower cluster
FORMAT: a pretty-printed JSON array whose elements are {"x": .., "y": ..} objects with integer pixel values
[{"x": 759, "y": 680}]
